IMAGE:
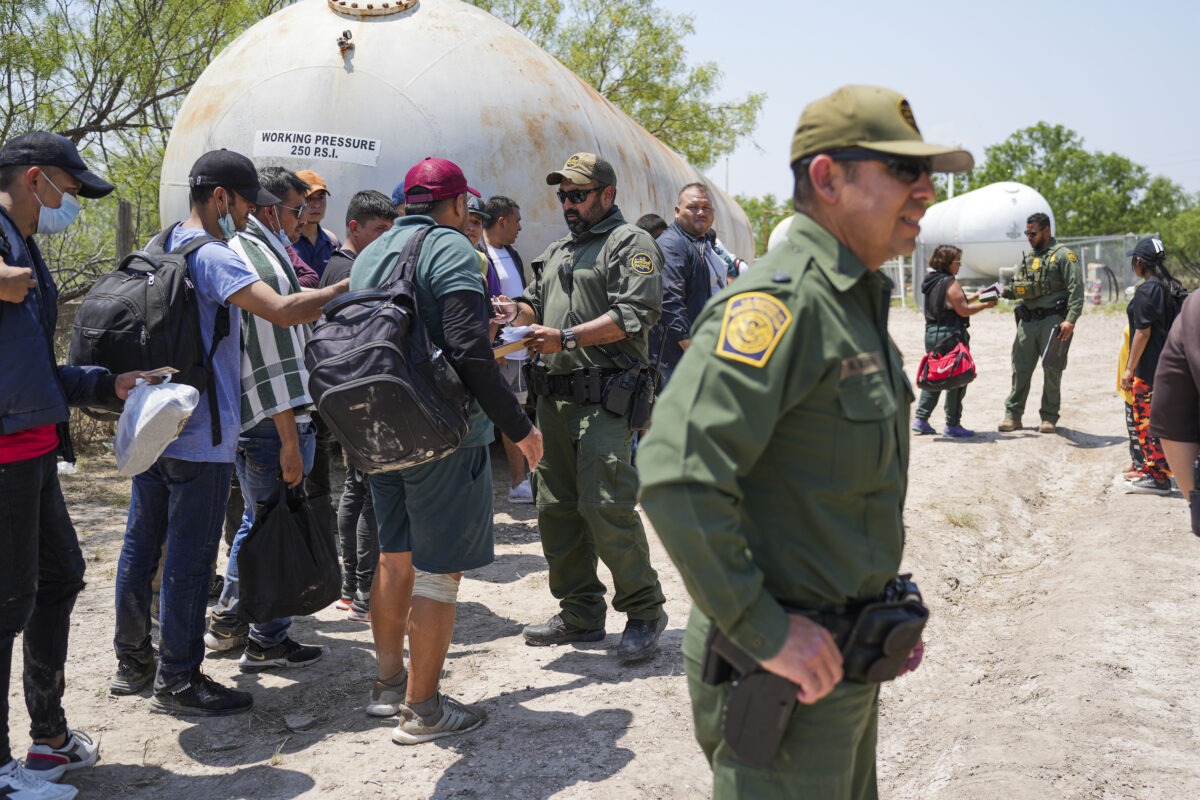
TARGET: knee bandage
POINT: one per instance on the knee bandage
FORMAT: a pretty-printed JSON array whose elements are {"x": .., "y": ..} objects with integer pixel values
[{"x": 439, "y": 588}]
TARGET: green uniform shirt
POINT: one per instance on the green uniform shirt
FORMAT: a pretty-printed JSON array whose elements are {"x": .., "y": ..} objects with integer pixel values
[
  {"x": 1055, "y": 271},
  {"x": 775, "y": 468},
  {"x": 618, "y": 271},
  {"x": 447, "y": 264}
]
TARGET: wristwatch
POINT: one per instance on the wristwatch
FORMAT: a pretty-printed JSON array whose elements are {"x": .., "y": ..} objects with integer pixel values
[{"x": 569, "y": 342}]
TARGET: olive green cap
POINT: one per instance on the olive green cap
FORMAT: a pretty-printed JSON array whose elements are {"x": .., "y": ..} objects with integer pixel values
[
  {"x": 584, "y": 168},
  {"x": 873, "y": 118}
]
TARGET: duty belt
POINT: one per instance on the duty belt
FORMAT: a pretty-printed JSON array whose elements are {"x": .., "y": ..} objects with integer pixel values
[
  {"x": 1025, "y": 314},
  {"x": 583, "y": 385}
]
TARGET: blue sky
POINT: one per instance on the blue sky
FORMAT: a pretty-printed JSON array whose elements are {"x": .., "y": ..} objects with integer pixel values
[{"x": 1123, "y": 76}]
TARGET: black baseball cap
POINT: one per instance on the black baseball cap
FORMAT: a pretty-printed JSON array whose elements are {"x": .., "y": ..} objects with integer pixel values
[
  {"x": 44, "y": 149},
  {"x": 231, "y": 170},
  {"x": 1149, "y": 250}
]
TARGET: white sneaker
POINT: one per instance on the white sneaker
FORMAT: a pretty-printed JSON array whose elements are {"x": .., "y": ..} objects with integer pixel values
[
  {"x": 49, "y": 763},
  {"x": 521, "y": 493},
  {"x": 18, "y": 783}
]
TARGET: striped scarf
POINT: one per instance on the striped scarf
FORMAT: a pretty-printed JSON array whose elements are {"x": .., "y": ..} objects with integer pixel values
[{"x": 274, "y": 378}]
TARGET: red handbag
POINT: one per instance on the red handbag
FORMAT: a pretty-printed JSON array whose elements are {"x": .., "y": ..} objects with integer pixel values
[{"x": 946, "y": 367}]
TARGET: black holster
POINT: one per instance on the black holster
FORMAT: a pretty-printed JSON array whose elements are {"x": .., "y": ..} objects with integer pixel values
[
  {"x": 875, "y": 641},
  {"x": 630, "y": 394}
]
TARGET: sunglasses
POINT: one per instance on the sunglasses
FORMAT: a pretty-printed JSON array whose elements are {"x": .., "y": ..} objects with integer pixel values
[
  {"x": 576, "y": 196},
  {"x": 299, "y": 211},
  {"x": 1031, "y": 234},
  {"x": 907, "y": 169}
]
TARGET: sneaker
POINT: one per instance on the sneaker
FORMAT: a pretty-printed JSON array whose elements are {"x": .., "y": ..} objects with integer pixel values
[
  {"x": 201, "y": 696},
  {"x": 1148, "y": 485},
  {"x": 640, "y": 638},
  {"x": 557, "y": 630},
  {"x": 957, "y": 432},
  {"x": 132, "y": 676},
  {"x": 359, "y": 612},
  {"x": 521, "y": 493},
  {"x": 225, "y": 635},
  {"x": 451, "y": 718},
  {"x": 1010, "y": 424},
  {"x": 1133, "y": 473},
  {"x": 344, "y": 602},
  {"x": 18, "y": 782},
  {"x": 49, "y": 763},
  {"x": 922, "y": 426},
  {"x": 387, "y": 698},
  {"x": 1046, "y": 427},
  {"x": 285, "y": 654}
]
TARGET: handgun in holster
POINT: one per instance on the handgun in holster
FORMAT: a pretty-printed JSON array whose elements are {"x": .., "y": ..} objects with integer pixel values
[{"x": 874, "y": 638}]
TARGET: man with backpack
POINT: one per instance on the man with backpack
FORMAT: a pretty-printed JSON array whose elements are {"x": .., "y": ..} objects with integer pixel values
[
  {"x": 41, "y": 179},
  {"x": 435, "y": 518},
  {"x": 278, "y": 438},
  {"x": 182, "y": 497}
]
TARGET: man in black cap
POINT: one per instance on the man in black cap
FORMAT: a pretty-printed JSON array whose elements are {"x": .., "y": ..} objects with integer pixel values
[
  {"x": 41, "y": 180},
  {"x": 597, "y": 293},
  {"x": 182, "y": 497}
]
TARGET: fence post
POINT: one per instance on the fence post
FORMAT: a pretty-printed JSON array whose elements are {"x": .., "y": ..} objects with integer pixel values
[{"x": 124, "y": 229}]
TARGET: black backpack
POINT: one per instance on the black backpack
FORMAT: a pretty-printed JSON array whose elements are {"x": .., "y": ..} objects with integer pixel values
[
  {"x": 144, "y": 315},
  {"x": 390, "y": 397}
]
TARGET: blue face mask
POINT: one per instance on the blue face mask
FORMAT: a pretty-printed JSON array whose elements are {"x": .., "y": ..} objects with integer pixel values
[
  {"x": 56, "y": 220},
  {"x": 225, "y": 223}
]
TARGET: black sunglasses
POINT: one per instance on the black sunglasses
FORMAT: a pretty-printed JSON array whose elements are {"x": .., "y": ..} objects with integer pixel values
[
  {"x": 908, "y": 169},
  {"x": 576, "y": 196},
  {"x": 1032, "y": 234}
]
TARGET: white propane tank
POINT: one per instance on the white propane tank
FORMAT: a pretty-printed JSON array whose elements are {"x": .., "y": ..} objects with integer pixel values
[
  {"x": 780, "y": 232},
  {"x": 429, "y": 78},
  {"x": 987, "y": 223}
]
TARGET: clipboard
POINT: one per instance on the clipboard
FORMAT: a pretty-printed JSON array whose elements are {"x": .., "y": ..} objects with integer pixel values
[
  {"x": 512, "y": 347},
  {"x": 1055, "y": 354}
]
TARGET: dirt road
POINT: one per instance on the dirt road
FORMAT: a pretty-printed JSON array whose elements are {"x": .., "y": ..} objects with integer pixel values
[{"x": 1061, "y": 654}]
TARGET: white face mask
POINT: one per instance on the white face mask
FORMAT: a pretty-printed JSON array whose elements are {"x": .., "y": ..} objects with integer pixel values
[{"x": 57, "y": 220}]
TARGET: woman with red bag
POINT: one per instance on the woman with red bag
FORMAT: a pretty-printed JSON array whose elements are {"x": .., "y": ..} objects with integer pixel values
[{"x": 946, "y": 310}]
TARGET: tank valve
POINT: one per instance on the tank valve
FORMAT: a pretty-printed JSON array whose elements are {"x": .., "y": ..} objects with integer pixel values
[{"x": 344, "y": 44}]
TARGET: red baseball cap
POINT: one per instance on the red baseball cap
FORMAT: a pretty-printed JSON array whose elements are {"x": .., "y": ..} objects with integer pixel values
[{"x": 435, "y": 179}]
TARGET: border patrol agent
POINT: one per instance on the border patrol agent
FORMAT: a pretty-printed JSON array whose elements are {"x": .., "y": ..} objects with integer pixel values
[
  {"x": 1049, "y": 285},
  {"x": 776, "y": 467},
  {"x": 601, "y": 290}
]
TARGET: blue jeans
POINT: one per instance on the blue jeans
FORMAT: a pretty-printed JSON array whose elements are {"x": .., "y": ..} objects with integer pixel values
[
  {"x": 182, "y": 503},
  {"x": 258, "y": 472}
]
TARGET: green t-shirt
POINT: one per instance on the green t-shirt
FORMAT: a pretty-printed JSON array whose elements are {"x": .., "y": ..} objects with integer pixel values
[{"x": 447, "y": 264}]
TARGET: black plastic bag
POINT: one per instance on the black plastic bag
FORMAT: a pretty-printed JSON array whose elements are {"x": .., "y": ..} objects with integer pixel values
[{"x": 287, "y": 566}]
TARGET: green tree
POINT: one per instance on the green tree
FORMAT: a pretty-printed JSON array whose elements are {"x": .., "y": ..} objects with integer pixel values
[
  {"x": 109, "y": 75},
  {"x": 1091, "y": 193},
  {"x": 764, "y": 214},
  {"x": 633, "y": 54}
]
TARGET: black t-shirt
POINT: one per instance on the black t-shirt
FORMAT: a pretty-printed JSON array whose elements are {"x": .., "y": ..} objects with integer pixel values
[
  {"x": 337, "y": 268},
  {"x": 1151, "y": 307}
]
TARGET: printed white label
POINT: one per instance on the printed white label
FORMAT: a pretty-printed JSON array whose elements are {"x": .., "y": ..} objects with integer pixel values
[{"x": 309, "y": 144}]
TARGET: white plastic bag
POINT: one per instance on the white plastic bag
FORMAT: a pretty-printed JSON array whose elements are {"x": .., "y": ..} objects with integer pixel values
[{"x": 152, "y": 419}]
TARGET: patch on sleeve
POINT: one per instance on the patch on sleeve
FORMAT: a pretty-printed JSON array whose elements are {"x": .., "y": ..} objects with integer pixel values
[
  {"x": 642, "y": 264},
  {"x": 1071, "y": 256},
  {"x": 753, "y": 325}
]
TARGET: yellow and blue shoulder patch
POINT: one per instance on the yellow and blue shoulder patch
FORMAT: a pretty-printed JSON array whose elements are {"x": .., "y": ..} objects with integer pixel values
[
  {"x": 753, "y": 325},
  {"x": 1071, "y": 256},
  {"x": 641, "y": 264}
]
